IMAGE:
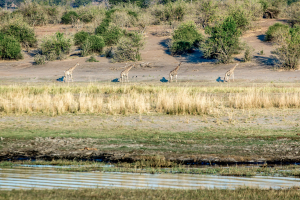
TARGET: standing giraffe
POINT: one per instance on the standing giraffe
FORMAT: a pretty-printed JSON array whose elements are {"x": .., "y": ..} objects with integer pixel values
[
  {"x": 124, "y": 73},
  {"x": 230, "y": 73},
  {"x": 174, "y": 73},
  {"x": 68, "y": 73}
]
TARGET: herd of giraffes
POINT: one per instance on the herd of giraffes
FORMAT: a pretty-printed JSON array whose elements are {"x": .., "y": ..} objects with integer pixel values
[{"x": 124, "y": 74}]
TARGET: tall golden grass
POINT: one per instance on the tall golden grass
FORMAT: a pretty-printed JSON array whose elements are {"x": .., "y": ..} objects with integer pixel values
[{"x": 101, "y": 99}]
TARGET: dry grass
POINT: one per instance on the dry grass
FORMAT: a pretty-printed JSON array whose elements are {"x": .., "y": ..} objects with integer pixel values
[{"x": 107, "y": 99}]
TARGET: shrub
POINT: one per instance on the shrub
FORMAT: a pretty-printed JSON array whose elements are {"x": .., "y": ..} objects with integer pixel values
[
  {"x": 97, "y": 43},
  {"x": 175, "y": 11},
  {"x": 92, "y": 44},
  {"x": 223, "y": 41},
  {"x": 185, "y": 38},
  {"x": 10, "y": 48},
  {"x": 276, "y": 32},
  {"x": 33, "y": 13},
  {"x": 21, "y": 32},
  {"x": 248, "y": 54},
  {"x": 40, "y": 59},
  {"x": 69, "y": 17},
  {"x": 92, "y": 59},
  {"x": 112, "y": 35},
  {"x": 208, "y": 12},
  {"x": 240, "y": 17},
  {"x": 289, "y": 52},
  {"x": 78, "y": 3},
  {"x": 55, "y": 46},
  {"x": 128, "y": 48},
  {"x": 80, "y": 37}
]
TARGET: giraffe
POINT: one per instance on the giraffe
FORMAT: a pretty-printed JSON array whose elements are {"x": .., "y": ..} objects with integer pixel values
[
  {"x": 68, "y": 73},
  {"x": 174, "y": 73},
  {"x": 230, "y": 73},
  {"x": 124, "y": 73}
]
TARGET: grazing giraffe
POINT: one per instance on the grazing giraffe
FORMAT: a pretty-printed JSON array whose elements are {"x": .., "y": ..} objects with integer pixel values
[
  {"x": 174, "y": 73},
  {"x": 230, "y": 73},
  {"x": 68, "y": 73},
  {"x": 124, "y": 73}
]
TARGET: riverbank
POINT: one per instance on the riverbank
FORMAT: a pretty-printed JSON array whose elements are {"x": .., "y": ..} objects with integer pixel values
[{"x": 104, "y": 193}]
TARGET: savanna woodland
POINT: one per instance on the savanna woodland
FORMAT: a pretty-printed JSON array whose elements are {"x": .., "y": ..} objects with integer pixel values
[{"x": 150, "y": 87}]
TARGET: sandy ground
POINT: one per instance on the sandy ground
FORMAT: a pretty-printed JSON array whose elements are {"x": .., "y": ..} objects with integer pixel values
[{"x": 194, "y": 68}]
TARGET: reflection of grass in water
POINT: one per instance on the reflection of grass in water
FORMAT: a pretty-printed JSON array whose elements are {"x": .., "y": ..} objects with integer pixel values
[{"x": 105, "y": 193}]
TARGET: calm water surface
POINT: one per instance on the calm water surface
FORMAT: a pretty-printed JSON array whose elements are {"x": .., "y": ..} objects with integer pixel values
[{"x": 47, "y": 178}]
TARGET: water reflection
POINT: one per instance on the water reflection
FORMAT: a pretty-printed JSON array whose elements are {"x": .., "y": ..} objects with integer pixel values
[{"x": 23, "y": 178}]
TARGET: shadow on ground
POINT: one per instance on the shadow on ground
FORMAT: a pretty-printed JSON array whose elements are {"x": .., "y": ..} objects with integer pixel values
[
  {"x": 196, "y": 56},
  {"x": 61, "y": 79},
  {"x": 164, "y": 80},
  {"x": 115, "y": 80},
  {"x": 266, "y": 62},
  {"x": 219, "y": 80}
]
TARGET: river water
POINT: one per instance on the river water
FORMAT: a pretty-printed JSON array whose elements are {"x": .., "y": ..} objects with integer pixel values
[{"x": 49, "y": 178}]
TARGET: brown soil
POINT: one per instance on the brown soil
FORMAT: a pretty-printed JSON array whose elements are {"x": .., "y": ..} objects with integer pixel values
[{"x": 194, "y": 68}]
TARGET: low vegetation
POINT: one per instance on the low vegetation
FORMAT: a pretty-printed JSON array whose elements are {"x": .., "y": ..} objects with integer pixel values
[
  {"x": 239, "y": 193},
  {"x": 10, "y": 48},
  {"x": 289, "y": 50},
  {"x": 55, "y": 47},
  {"x": 57, "y": 100}
]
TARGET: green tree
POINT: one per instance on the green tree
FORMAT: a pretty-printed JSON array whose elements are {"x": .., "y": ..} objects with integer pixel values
[{"x": 223, "y": 41}]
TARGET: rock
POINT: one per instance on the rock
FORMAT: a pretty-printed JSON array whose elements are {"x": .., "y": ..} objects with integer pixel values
[{"x": 1, "y": 138}]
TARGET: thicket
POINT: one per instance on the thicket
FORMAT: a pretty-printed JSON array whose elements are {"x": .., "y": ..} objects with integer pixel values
[
  {"x": 223, "y": 41},
  {"x": 69, "y": 17},
  {"x": 277, "y": 32},
  {"x": 80, "y": 37},
  {"x": 289, "y": 51},
  {"x": 128, "y": 48},
  {"x": 93, "y": 44},
  {"x": 185, "y": 38},
  {"x": 21, "y": 32},
  {"x": 10, "y": 48},
  {"x": 56, "y": 46}
]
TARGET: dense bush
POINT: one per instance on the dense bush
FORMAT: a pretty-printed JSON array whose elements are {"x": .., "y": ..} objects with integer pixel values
[
  {"x": 56, "y": 46},
  {"x": 276, "y": 32},
  {"x": 223, "y": 41},
  {"x": 240, "y": 17},
  {"x": 10, "y": 48},
  {"x": 185, "y": 38},
  {"x": 207, "y": 12},
  {"x": 128, "y": 48},
  {"x": 69, "y": 17},
  {"x": 78, "y": 3},
  {"x": 112, "y": 35},
  {"x": 97, "y": 43},
  {"x": 93, "y": 44},
  {"x": 21, "y": 32},
  {"x": 39, "y": 59},
  {"x": 289, "y": 52},
  {"x": 80, "y": 37}
]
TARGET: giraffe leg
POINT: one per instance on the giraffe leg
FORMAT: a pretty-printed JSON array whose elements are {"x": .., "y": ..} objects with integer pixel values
[
  {"x": 233, "y": 77},
  {"x": 176, "y": 78},
  {"x": 170, "y": 78}
]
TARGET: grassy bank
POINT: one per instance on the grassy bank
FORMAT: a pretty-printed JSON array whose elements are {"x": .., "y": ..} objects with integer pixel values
[
  {"x": 242, "y": 193},
  {"x": 158, "y": 165},
  {"x": 124, "y": 100}
]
